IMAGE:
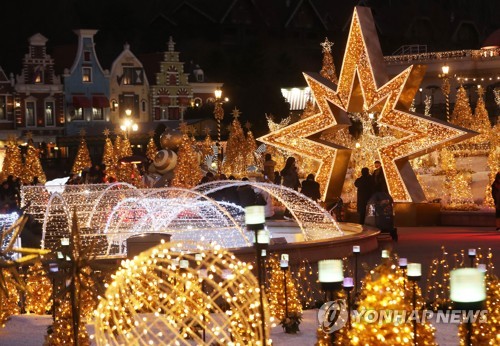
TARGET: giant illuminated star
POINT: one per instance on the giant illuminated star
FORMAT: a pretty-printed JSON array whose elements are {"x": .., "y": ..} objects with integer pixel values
[{"x": 364, "y": 86}]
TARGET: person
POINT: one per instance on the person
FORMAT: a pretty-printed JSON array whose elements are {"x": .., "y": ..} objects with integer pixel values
[
  {"x": 290, "y": 179},
  {"x": 246, "y": 194},
  {"x": 379, "y": 182},
  {"x": 365, "y": 188},
  {"x": 277, "y": 178},
  {"x": 495, "y": 193},
  {"x": 310, "y": 188},
  {"x": 36, "y": 182},
  {"x": 290, "y": 175},
  {"x": 269, "y": 165}
]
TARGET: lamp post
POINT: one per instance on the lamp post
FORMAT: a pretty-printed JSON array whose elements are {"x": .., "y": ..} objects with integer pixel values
[
  {"x": 356, "y": 249},
  {"x": 284, "y": 268},
  {"x": 467, "y": 292},
  {"x": 472, "y": 256},
  {"x": 219, "y": 115},
  {"x": 445, "y": 88},
  {"x": 255, "y": 220},
  {"x": 128, "y": 124},
  {"x": 414, "y": 273},
  {"x": 348, "y": 285}
]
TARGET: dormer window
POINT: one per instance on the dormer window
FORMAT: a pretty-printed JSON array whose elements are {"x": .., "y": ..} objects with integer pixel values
[
  {"x": 87, "y": 75},
  {"x": 86, "y": 56},
  {"x": 38, "y": 77}
]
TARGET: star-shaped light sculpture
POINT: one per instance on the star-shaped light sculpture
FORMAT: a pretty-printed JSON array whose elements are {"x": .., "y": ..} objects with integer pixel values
[
  {"x": 364, "y": 87},
  {"x": 106, "y": 132}
]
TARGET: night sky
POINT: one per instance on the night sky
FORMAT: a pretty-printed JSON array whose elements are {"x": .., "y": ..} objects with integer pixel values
[{"x": 252, "y": 62}]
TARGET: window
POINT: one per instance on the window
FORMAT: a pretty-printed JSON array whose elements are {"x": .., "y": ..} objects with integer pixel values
[
  {"x": 87, "y": 75},
  {"x": 30, "y": 113},
  {"x": 97, "y": 114},
  {"x": 132, "y": 76},
  {"x": 49, "y": 114},
  {"x": 86, "y": 56},
  {"x": 143, "y": 106},
  {"x": 78, "y": 114},
  {"x": 3, "y": 108},
  {"x": 38, "y": 76},
  {"x": 129, "y": 101}
]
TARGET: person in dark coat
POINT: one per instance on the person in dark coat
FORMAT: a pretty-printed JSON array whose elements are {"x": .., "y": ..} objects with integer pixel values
[
  {"x": 365, "y": 187},
  {"x": 290, "y": 175},
  {"x": 495, "y": 193},
  {"x": 269, "y": 165},
  {"x": 379, "y": 182},
  {"x": 246, "y": 194},
  {"x": 310, "y": 188}
]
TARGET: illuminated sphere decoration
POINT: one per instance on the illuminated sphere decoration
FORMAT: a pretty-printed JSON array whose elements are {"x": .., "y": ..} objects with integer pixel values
[
  {"x": 211, "y": 299},
  {"x": 170, "y": 139},
  {"x": 165, "y": 161}
]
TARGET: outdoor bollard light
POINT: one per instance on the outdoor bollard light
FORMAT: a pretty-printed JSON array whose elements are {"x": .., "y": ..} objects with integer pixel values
[
  {"x": 348, "y": 285},
  {"x": 468, "y": 293},
  {"x": 414, "y": 274},
  {"x": 482, "y": 267},
  {"x": 330, "y": 275},
  {"x": 472, "y": 256},
  {"x": 356, "y": 249},
  {"x": 403, "y": 264},
  {"x": 284, "y": 267},
  {"x": 385, "y": 254},
  {"x": 255, "y": 219}
]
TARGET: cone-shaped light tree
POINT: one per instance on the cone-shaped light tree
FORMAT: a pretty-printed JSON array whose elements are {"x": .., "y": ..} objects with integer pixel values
[{"x": 187, "y": 172}]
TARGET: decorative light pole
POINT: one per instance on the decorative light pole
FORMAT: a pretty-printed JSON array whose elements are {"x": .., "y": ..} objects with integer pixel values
[
  {"x": 445, "y": 88},
  {"x": 468, "y": 293},
  {"x": 414, "y": 273},
  {"x": 128, "y": 124},
  {"x": 219, "y": 115},
  {"x": 255, "y": 221}
]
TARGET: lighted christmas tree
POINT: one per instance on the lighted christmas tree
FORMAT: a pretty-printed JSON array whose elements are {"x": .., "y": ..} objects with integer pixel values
[
  {"x": 82, "y": 159},
  {"x": 126, "y": 149},
  {"x": 118, "y": 147},
  {"x": 306, "y": 282},
  {"x": 438, "y": 283},
  {"x": 187, "y": 172},
  {"x": 322, "y": 338},
  {"x": 151, "y": 148},
  {"x": 486, "y": 331},
  {"x": 328, "y": 69},
  {"x": 428, "y": 105},
  {"x": 462, "y": 113},
  {"x": 251, "y": 147},
  {"x": 276, "y": 295},
  {"x": 235, "y": 156},
  {"x": 384, "y": 290},
  {"x": 481, "y": 121},
  {"x": 461, "y": 192},
  {"x": 207, "y": 147},
  {"x": 9, "y": 297},
  {"x": 279, "y": 155},
  {"x": 39, "y": 290},
  {"x": 493, "y": 164},
  {"x": 109, "y": 159},
  {"x": 12, "y": 163},
  {"x": 32, "y": 167}
]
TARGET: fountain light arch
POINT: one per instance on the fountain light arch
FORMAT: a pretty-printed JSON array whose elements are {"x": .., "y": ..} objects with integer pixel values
[{"x": 314, "y": 221}]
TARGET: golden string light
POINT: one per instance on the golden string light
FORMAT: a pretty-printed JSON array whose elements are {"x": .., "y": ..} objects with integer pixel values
[
  {"x": 217, "y": 297},
  {"x": 364, "y": 86}
]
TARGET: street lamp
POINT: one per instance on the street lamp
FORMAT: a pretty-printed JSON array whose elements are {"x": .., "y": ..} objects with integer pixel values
[
  {"x": 128, "y": 124},
  {"x": 219, "y": 115},
  {"x": 255, "y": 221},
  {"x": 445, "y": 88}
]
